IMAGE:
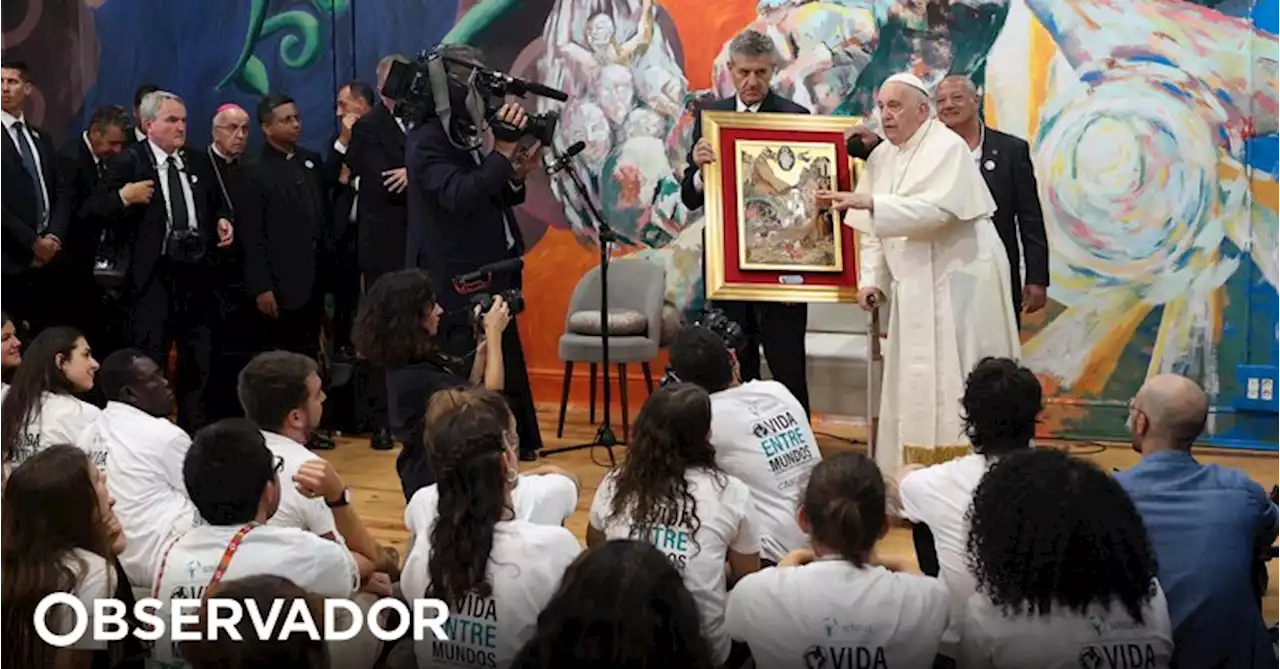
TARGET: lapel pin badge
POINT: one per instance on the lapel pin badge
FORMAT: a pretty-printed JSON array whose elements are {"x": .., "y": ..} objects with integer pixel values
[
  {"x": 990, "y": 165},
  {"x": 194, "y": 178},
  {"x": 310, "y": 165}
]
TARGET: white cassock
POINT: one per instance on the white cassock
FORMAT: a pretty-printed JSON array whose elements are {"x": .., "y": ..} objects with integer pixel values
[{"x": 930, "y": 246}]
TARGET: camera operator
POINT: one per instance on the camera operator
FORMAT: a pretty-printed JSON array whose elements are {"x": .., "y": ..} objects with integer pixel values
[
  {"x": 460, "y": 219},
  {"x": 398, "y": 328}
]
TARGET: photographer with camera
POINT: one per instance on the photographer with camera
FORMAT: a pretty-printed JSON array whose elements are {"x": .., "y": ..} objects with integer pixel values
[
  {"x": 399, "y": 329},
  {"x": 460, "y": 207}
]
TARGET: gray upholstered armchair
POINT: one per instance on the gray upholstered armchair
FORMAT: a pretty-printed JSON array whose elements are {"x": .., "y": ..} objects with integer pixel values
[{"x": 636, "y": 293}]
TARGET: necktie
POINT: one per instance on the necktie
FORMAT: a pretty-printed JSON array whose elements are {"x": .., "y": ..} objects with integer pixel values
[
  {"x": 179, "y": 220},
  {"x": 29, "y": 163}
]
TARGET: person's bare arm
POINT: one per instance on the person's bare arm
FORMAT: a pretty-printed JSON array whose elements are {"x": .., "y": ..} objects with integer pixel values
[
  {"x": 495, "y": 322},
  {"x": 541, "y": 470},
  {"x": 741, "y": 564},
  {"x": 318, "y": 478}
]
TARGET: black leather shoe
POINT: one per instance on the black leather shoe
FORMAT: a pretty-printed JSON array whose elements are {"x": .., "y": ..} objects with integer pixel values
[
  {"x": 381, "y": 440},
  {"x": 319, "y": 442},
  {"x": 528, "y": 456}
]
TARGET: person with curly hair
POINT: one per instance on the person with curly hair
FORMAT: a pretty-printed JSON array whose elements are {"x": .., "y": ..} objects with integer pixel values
[
  {"x": 1212, "y": 527},
  {"x": 1065, "y": 573},
  {"x": 396, "y": 329},
  {"x": 782, "y": 613},
  {"x": 495, "y": 571},
  {"x": 999, "y": 408},
  {"x": 620, "y": 605},
  {"x": 671, "y": 493}
]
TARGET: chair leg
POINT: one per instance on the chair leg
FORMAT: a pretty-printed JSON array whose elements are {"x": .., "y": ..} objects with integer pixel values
[
  {"x": 648, "y": 376},
  {"x": 594, "y": 368},
  {"x": 626, "y": 415},
  {"x": 564, "y": 396}
]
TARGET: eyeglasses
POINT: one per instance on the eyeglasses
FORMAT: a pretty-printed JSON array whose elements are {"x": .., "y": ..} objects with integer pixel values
[{"x": 233, "y": 129}]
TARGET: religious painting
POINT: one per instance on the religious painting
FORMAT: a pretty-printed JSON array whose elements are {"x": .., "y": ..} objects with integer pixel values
[
  {"x": 767, "y": 238},
  {"x": 780, "y": 225}
]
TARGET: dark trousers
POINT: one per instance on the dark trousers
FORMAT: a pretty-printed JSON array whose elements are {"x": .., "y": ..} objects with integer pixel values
[
  {"x": 457, "y": 337},
  {"x": 781, "y": 329},
  {"x": 295, "y": 329},
  {"x": 235, "y": 343},
  {"x": 926, "y": 551},
  {"x": 373, "y": 386},
  {"x": 176, "y": 307}
]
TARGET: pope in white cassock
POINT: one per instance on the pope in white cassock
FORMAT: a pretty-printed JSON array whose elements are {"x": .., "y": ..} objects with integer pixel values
[{"x": 928, "y": 249}]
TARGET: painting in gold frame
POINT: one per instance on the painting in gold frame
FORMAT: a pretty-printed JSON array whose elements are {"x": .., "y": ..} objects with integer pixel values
[{"x": 812, "y": 257}]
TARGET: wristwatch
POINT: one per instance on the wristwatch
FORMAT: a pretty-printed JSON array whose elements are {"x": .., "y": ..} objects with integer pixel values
[{"x": 343, "y": 499}]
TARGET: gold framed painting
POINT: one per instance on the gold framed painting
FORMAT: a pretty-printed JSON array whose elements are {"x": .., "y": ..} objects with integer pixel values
[{"x": 767, "y": 240}]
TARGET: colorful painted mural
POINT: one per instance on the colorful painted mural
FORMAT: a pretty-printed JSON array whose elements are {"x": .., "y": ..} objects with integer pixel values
[{"x": 1152, "y": 123}]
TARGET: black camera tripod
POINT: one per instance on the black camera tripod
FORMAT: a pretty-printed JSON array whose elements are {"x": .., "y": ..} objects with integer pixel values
[{"x": 604, "y": 435}]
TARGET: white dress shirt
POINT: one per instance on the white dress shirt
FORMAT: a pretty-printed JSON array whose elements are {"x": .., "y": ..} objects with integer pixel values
[
  {"x": 162, "y": 171},
  {"x": 9, "y": 121},
  {"x": 740, "y": 107}
]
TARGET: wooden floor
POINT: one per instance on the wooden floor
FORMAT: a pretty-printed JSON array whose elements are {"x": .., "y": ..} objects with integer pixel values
[{"x": 371, "y": 475}]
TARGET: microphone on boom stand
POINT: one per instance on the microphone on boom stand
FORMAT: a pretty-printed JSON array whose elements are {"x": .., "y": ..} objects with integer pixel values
[{"x": 561, "y": 163}]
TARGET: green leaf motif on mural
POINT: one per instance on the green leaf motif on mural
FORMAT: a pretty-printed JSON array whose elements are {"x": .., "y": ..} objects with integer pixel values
[{"x": 300, "y": 46}]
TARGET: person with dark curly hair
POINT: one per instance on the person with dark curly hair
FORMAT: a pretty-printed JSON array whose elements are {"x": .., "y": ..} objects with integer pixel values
[
  {"x": 1212, "y": 527},
  {"x": 783, "y": 613},
  {"x": 396, "y": 329},
  {"x": 620, "y": 605},
  {"x": 999, "y": 407},
  {"x": 1065, "y": 573},
  {"x": 671, "y": 493},
  {"x": 495, "y": 571}
]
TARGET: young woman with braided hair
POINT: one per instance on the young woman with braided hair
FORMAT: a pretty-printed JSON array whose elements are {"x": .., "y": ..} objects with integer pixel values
[{"x": 834, "y": 604}]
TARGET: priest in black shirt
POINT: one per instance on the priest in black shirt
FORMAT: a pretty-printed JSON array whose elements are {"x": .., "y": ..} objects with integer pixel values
[{"x": 282, "y": 220}]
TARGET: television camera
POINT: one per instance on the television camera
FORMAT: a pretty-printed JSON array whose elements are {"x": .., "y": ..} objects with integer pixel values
[{"x": 466, "y": 97}]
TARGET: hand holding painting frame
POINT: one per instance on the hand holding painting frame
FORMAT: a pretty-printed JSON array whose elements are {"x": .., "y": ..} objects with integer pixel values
[{"x": 766, "y": 238}]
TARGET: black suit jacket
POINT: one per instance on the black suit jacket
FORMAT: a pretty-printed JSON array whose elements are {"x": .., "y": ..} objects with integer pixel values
[
  {"x": 457, "y": 210},
  {"x": 1012, "y": 182},
  {"x": 772, "y": 103},
  {"x": 18, "y": 205},
  {"x": 377, "y": 145},
  {"x": 282, "y": 220},
  {"x": 81, "y": 180},
  {"x": 141, "y": 229}
]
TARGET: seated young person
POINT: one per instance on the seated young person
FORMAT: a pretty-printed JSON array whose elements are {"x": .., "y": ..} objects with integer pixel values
[
  {"x": 1065, "y": 574},
  {"x": 760, "y": 432},
  {"x": 546, "y": 495},
  {"x": 670, "y": 492},
  {"x": 621, "y": 605},
  {"x": 60, "y": 535},
  {"x": 233, "y": 481},
  {"x": 999, "y": 408},
  {"x": 39, "y": 408},
  {"x": 881, "y": 618},
  {"x": 144, "y": 452},
  {"x": 495, "y": 571},
  {"x": 10, "y": 351},
  {"x": 396, "y": 328},
  {"x": 297, "y": 651}
]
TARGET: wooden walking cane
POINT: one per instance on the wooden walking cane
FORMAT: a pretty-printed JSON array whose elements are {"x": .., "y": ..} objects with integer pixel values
[{"x": 875, "y": 377}]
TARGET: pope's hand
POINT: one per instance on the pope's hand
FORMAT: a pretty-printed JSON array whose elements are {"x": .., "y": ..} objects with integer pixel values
[
  {"x": 840, "y": 200},
  {"x": 870, "y": 298},
  {"x": 703, "y": 153}
]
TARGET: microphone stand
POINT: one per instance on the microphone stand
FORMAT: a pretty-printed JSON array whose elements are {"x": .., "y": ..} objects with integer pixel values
[{"x": 604, "y": 435}]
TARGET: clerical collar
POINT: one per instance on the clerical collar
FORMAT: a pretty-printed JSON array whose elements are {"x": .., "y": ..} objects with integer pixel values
[
  {"x": 744, "y": 107},
  {"x": 917, "y": 137},
  {"x": 225, "y": 158},
  {"x": 270, "y": 149}
]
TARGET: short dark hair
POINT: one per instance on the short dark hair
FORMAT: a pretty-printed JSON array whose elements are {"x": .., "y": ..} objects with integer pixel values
[
  {"x": 699, "y": 356},
  {"x": 116, "y": 372},
  {"x": 845, "y": 504},
  {"x": 110, "y": 115},
  {"x": 142, "y": 92},
  {"x": 269, "y": 103},
  {"x": 14, "y": 64},
  {"x": 226, "y": 469},
  {"x": 360, "y": 90},
  {"x": 273, "y": 384},
  {"x": 1000, "y": 404}
]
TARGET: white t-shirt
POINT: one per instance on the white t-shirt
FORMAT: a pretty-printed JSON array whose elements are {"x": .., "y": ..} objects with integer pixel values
[
  {"x": 762, "y": 437},
  {"x": 542, "y": 499},
  {"x": 94, "y": 580},
  {"x": 525, "y": 566},
  {"x": 727, "y": 524},
  {"x": 317, "y": 565},
  {"x": 296, "y": 510},
  {"x": 830, "y": 613},
  {"x": 60, "y": 419},
  {"x": 143, "y": 456},
  {"x": 940, "y": 497},
  {"x": 1065, "y": 639}
]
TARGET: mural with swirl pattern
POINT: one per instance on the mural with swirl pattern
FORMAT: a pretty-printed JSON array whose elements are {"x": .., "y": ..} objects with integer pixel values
[{"x": 1152, "y": 124}]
